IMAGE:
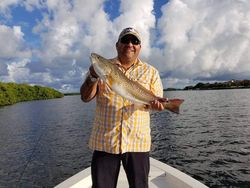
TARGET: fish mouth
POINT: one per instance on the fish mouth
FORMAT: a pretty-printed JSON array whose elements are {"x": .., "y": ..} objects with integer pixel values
[{"x": 94, "y": 55}]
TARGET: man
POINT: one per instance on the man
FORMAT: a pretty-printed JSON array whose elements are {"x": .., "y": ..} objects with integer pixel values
[{"x": 121, "y": 130}]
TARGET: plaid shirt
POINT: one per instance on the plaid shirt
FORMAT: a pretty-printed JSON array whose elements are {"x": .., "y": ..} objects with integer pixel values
[{"x": 121, "y": 126}]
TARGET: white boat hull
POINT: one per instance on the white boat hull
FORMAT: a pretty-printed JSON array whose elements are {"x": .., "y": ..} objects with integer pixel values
[{"x": 161, "y": 176}]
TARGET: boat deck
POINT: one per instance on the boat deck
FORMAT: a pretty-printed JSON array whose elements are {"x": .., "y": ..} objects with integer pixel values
[
  {"x": 160, "y": 176},
  {"x": 157, "y": 178}
]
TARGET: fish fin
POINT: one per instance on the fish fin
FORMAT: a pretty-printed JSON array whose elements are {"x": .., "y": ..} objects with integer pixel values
[{"x": 173, "y": 105}]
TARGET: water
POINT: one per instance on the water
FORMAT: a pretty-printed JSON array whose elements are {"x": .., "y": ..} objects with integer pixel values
[
  {"x": 210, "y": 139},
  {"x": 44, "y": 142}
]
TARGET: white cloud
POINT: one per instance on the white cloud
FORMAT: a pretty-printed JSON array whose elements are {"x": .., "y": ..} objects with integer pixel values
[
  {"x": 138, "y": 14},
  {"x": 12, "y": 44},
  {"x": 193, "y": 40},
  {"x": 3, "y": 69},
  {"x": 205, "y": 39},
  {"x": 4, "y": 7},
  {"x": 70, "y": 30},
  {"x": 17, "y": 71}
]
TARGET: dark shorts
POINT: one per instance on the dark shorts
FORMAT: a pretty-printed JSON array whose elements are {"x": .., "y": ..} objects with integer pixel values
[{"x": 105, "y": 169}]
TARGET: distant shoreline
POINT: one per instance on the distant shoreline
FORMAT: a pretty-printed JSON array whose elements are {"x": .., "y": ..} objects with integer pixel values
[
  {"x": 173, "y": 89},
  {"x": 11, "y": 93},
  {"x": 69, "y": 94},
  {"x": 232, "y": 84}
]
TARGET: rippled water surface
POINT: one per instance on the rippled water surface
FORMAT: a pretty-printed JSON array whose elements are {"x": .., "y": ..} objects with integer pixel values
[{"x": 44, "y": 142}]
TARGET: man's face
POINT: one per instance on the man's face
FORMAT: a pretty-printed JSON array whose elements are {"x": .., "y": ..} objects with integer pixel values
[{"x": 128, "y": 48}]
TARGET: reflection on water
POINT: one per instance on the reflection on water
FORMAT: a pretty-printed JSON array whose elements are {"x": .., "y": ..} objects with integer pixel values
[{"x": 44, "y": 142}]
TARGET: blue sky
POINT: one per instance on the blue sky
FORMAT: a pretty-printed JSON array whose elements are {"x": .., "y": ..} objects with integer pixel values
[
  {"x": 188, "y": 41},
  {"x": 27, "y": 20}
]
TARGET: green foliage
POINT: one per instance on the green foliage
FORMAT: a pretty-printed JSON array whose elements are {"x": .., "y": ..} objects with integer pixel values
[
  {"x": 232, "y": 84},
  {"x": 11, "y": 93}
]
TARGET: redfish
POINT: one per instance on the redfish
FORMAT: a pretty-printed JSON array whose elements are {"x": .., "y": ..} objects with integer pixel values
[{"x": 127, "y": 88}]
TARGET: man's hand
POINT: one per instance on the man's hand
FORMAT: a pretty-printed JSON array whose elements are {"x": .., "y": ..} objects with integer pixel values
[
  {"x": 88, "y": 89},
  {"x": 156, "y": 105},
  {"x": 92, "y": 71}
]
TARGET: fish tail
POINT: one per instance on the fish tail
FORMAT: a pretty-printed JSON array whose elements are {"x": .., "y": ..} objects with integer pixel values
[{"x": 173, "y": 105}]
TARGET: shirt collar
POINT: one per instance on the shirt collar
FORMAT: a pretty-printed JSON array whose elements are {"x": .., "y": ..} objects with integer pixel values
[{"x": 115, "y": 60}]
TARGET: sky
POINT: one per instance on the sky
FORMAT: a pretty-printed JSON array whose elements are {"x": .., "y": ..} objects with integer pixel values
[{"x": 48, "y": 42}]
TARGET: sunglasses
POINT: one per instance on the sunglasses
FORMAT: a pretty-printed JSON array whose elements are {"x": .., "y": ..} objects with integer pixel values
[{"x": 128, "y": 39}]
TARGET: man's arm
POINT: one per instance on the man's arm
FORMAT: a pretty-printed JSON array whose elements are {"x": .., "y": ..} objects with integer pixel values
[{"x": 89, "y": 88}]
